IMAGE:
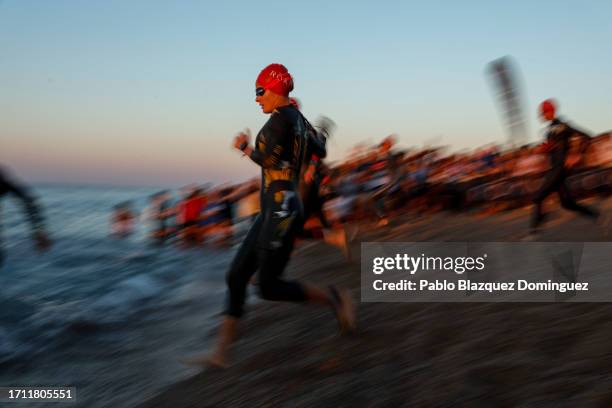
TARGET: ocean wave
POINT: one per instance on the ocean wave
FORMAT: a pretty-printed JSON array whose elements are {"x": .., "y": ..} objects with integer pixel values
[{"x": 124, "y": 300}]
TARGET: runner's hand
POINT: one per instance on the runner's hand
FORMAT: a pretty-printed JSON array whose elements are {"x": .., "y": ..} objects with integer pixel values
[{"x": 242, "y": 139}]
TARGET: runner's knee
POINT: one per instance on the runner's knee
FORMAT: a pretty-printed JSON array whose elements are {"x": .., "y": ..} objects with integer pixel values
[{"x": 278, "y": 290}]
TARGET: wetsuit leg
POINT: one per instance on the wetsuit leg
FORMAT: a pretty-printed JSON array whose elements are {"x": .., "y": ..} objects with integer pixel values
[
  {"x": 314, "y": 206},
  {"x": 272, "y": 264},
  {"x": 281, "y": 222},
  {"x": 568, "y": 202},
  {"x": 315, "y": 203},
  {"x": 551, "y": 184},
  {"x": 242, "y": 268}
]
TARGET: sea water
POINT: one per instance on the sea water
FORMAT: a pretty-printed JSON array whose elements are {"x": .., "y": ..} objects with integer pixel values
[{"x": 109, "y": 316}]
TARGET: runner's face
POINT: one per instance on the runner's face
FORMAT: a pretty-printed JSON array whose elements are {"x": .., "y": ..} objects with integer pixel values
[{"x": 265, "y": 99}]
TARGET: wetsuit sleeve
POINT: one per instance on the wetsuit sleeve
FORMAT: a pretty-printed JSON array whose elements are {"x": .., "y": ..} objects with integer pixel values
[
  {"x": 269, "y": 150},
  {"x": 319, "y": 145},
  {"x": 28, "y": 201},
  {"x": 585, "y": 138},
  {"x": 317, "y": 140}
]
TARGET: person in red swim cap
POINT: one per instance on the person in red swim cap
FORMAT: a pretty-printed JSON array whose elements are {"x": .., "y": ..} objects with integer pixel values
[
  {"x": 272, "y": 87},
  {"x": 548, "y": 110},
  {"x": 275, "y": 78},
  {"x": 280, "y": 149},
  {"x": 557, "y": 146}
]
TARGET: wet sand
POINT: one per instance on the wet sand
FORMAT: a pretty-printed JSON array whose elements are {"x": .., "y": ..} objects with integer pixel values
[{"x": 425, "y": 354}]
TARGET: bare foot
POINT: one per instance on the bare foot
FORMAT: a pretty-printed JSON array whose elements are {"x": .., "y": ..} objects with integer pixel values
[
  {"x": 532, "y": 236},
  {"x": 347, "y": 311},
  {"x": 205, "y": 361},
  {"x": 353, "y": 234},
  {"x": 382, "y": 222},
  {"x": 343, "y": 307},
  {"x": 342, "y": 242},
  {"x": 605, "y": 221},
  {"x": 338, "y": 239}
]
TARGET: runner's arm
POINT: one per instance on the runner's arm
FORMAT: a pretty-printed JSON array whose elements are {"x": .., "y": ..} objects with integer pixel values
[
  {"x": 32, "y": 211},
  {"x": 269, "y": 156}
]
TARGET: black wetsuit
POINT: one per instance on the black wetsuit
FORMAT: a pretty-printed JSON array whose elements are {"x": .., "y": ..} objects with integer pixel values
[
  {"x": 314, "y": 202},
  {"x": 31, "y": 209},
  {"x": 316, "y": 151},
  {"x": 280, "y": 148},
  {"x": 558, "y": 139}
]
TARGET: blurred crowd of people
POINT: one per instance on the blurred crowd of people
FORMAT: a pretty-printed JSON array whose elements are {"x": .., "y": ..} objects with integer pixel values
[
  {"x": 379, "y": 180},
  {"x": 374, "y": 182},
  {"x": 201, "y": 214}
]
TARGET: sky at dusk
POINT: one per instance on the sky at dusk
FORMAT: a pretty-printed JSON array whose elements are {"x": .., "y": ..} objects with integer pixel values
[{"x": 151, "y": 93}]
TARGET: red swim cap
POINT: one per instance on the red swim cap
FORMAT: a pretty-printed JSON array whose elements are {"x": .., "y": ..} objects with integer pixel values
[
  {"x": 275, "y": 78},
  {"x": 548, "y": 106}
]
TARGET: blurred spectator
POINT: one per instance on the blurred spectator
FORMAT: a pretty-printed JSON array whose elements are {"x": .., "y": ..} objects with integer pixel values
[
  {"x": 158, "y": 213},
  {"x": 122, "y": 221}
]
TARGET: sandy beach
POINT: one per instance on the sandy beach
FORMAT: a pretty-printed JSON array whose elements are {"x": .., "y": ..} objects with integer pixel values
[{"x": 409, "y": 354}]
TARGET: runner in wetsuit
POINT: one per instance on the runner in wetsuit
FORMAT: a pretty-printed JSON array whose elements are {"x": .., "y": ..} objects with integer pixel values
[
  {"x": 31, "y": 209},
  {"x": 313, "y": 175},
  {"x": 557, "y": 145},
  {"x": 279, "y": 149},
  {"x": 310, "y": 184}
]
